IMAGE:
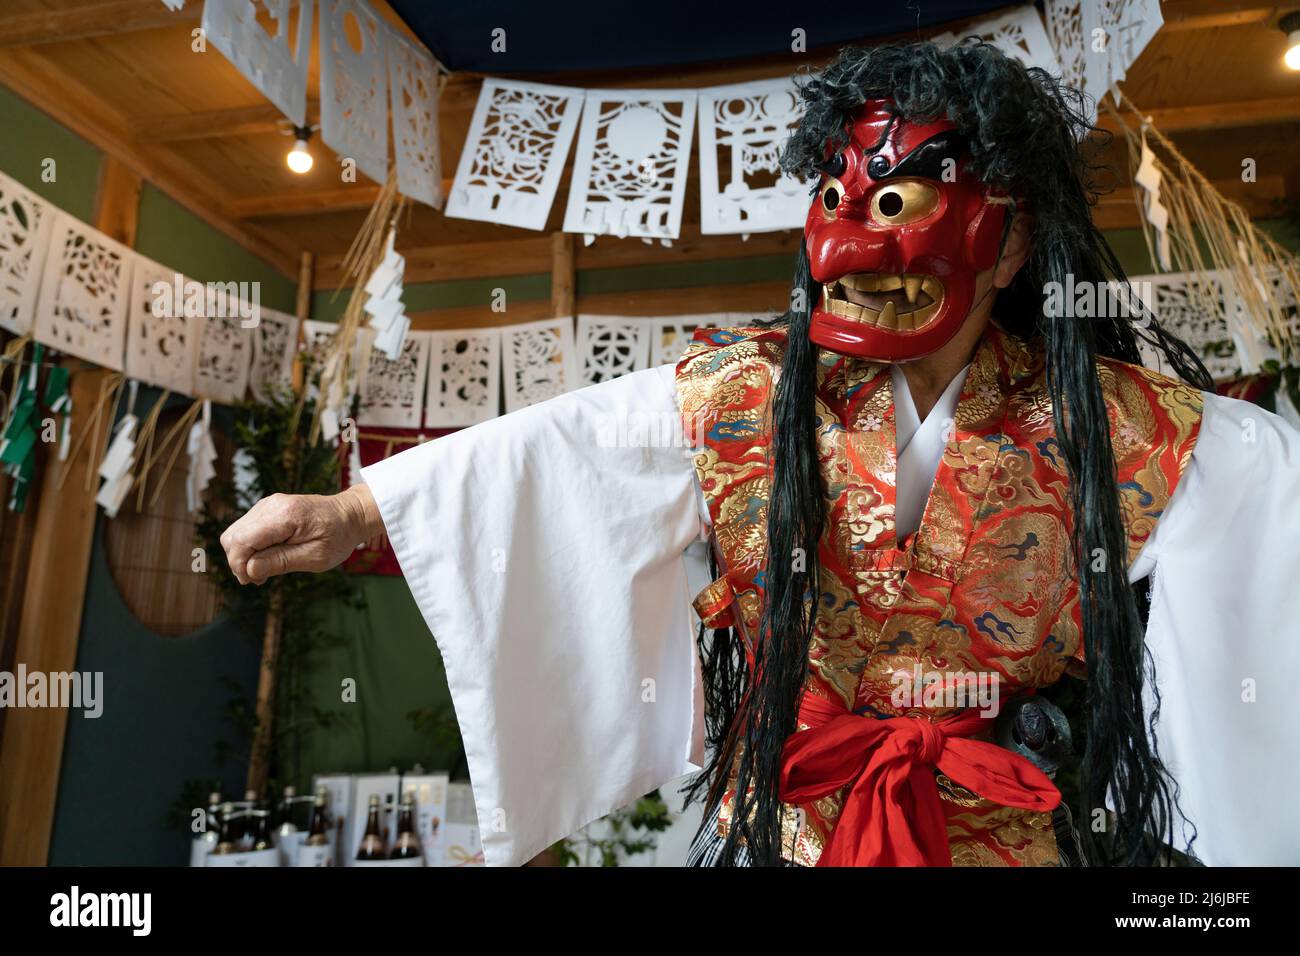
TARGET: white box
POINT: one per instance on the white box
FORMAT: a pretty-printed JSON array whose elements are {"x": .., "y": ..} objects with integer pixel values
[
  {"x": 250, "y": 858},
  {"x": 460, "y": 839}
]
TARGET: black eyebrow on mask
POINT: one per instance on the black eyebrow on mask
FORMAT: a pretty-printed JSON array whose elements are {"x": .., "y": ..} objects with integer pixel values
[{"x": 926, "y": 160}]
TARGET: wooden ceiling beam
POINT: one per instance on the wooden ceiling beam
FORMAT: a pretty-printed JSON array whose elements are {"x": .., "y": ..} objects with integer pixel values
[
  {"x": 532, "y": 255},
  {"x": 1214, "y": 14},
  {"x": 218, "y": 124},
  {"x": 91, "y": 20},
  {"x": 41, "y": 82},
  {"x": 1176, "y": 119},
  {"x": 755, "y": 298}
]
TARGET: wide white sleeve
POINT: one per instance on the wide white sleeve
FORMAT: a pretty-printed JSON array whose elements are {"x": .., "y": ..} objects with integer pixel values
[
  {"x": 1225, "y": 612},
  {"x": 545, "y": 551}
]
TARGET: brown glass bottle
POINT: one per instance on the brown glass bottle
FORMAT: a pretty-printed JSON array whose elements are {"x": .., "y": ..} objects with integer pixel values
[
  {"x": 318, "y": 830},
  {"x": 372, "y": 841},
  {"x": 226, "y": 831},
  {"x": 407, "y": 844},
  {"x": 261, "y": 829}
]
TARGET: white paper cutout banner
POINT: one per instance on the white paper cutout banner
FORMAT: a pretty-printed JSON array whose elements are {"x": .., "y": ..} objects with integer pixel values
[
  {"x": 1019, "y": 34},
  {"x": 672, "y": 335},
  {"x": 275, "y": 342},
  {"x": 317, "y": 336},
  {"x": 161, "y": 339},
  {"x": 394, "y": 392},
  {"x": 272, "y": 63},
  {"x": 354, "y": 86},
  {"x": 537, "y": 360},
  {"x": 610, "y": 346},
  {"x": 464, "y": 378},
  {"x": 1096, "y": 41},
  {"x": 413, "y": 83},
  {"x": 1179, "y": 301},
  {"x": 629, "y": 168},
  {"x": 514, "y": 154},
  {"x": 225, "y": 352},
  {"x": 743, "y": 128},
  {"x": 85, "y": 290},
  {"x": 25, "y": 224}
]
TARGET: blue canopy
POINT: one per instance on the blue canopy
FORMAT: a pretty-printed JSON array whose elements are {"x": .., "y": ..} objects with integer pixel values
[{"x": 561, "y": 35}]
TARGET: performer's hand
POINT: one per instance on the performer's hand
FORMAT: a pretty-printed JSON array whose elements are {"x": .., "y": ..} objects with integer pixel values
[{"x": 286, "y": 533}]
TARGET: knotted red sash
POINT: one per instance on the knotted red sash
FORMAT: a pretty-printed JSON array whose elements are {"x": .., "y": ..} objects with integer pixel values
[{"x": 891, "y": 814}]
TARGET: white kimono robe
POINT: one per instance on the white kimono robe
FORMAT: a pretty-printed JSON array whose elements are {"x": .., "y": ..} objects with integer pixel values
[{"x": 546, "y": 551}]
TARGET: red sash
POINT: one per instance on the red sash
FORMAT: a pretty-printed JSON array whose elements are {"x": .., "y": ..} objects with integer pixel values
[{"x": 891, "y": 814}]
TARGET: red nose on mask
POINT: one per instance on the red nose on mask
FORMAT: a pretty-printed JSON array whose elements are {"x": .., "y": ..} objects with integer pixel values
[{"x": 895, "y": 237}]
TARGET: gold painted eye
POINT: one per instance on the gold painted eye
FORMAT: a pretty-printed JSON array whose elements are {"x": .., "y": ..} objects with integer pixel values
[
  {"x": 832, "y": 193},
  {"x": 904, "y": 201}
]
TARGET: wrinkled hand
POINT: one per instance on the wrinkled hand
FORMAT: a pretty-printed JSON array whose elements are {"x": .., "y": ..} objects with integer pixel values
[{"x": 286, "y": 533}]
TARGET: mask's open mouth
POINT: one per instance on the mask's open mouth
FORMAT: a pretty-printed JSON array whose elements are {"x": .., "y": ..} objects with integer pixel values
[{"x": 900, "y": 303}]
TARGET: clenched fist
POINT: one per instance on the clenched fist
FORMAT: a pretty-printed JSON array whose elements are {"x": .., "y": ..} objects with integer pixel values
[{"x": 286, "y": 533}]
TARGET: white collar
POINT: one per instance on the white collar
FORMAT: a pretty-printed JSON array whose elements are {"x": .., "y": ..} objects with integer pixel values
[{"x": 920, "y": 447}]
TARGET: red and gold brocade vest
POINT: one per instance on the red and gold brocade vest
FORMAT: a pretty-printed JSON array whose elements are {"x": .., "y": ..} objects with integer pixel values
[{"x": 983, "y": 586}]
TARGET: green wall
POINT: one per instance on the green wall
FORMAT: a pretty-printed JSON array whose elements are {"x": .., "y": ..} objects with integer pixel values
[{"x": 30, "y": 137}]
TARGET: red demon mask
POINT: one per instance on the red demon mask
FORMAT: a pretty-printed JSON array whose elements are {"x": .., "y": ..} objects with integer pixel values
[{"x": 896, "y": 237}]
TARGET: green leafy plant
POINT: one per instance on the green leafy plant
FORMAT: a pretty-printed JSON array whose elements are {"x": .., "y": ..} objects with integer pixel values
[
  {"x": 624, "y": 833},
  {"x": 273, "y": 439}
]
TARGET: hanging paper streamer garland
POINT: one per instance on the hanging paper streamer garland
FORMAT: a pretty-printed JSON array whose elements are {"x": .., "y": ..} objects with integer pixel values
[
  {"x": 225, "y": 351},
  {"x": 25, "y": 223},
  {"x": 275, "y": 63},
  {"x": 464, "y": 378},
  {"x": 413, "y": 83},
  {"x": 18, "y": 437},
  {"x": 1148, "y": 178},
  {"x": 354, "y": 86},
  {"x": 337, "y": 403},
  {"x": 538, "y": 360},
  {"x": 629, "y": 169},
  {"x": 203, "y": 457},
  {"x": 116, "y": 467},
  {"x": 1096, "y": 41},
  {"x": 384, "y": 301},
  {"x": 1019, "y": 34},
  {"x": 275, "y": 341},
  {"x": 394, "y": 388},
  {"x": 514, "y": 154},
  {"x": 610, "y": 346},
  {"x": 161, "y": 339},
  {"x": 85, "y": 290},
  {"x": 743, "y": 128}
]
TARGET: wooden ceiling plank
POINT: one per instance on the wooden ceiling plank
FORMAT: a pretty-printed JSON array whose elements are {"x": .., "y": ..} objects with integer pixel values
[
  {"x": 42, "y": 84},
  {"x": 91, "y": 20}
]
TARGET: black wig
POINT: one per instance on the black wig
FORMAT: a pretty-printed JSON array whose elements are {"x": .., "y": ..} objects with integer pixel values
[{"x": 1026, "y": 132}]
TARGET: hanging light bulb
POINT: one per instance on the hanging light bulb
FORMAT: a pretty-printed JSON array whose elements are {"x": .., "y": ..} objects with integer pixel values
[
  {"x": 299, "y": 158},
  {"x": 1290, "y": 25}
]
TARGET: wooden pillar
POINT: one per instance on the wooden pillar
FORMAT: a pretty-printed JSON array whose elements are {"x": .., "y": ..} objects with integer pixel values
[
  {"x": 259, "y": 761},
  {"x": 563, "y": 277},
  {"x": 31, "y": 751},
  {"x": 306, "y": 278}
]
